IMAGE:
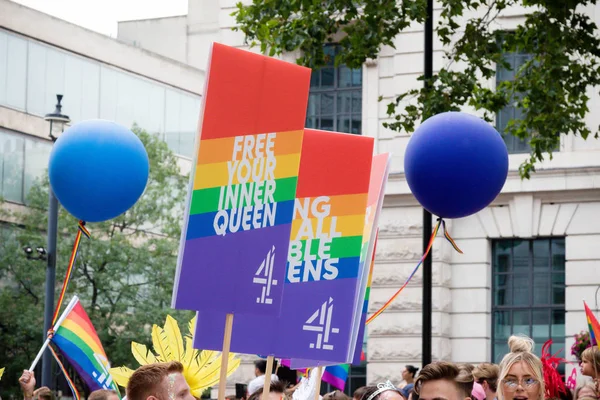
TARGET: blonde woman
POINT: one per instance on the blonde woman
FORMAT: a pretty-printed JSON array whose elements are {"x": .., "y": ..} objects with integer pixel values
[
  {"x": 521, "y": 372},
  {"x": 486, "y": 375},
  {"x": 590, "y": 364}
]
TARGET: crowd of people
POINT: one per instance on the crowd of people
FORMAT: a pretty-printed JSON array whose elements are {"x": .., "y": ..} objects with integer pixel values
[{"x": 521, "y": 375}]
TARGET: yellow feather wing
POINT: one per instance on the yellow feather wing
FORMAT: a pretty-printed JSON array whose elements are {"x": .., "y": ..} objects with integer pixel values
[
  {"x": 174, "y": 338},
  {"x": 213, "y": 370},
  {"x": 161, "y": 344},
  {"x": 141, "y": 354},
  {"x": 121, "y": 375},
  {"x": 204, "y": 360},
  {"x": 191, "y": 354},
  {"x": 1, "y": 372},
  {"x": 210, "y": 377}
]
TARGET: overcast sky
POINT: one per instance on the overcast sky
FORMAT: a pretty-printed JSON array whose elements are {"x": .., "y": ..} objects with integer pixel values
[{"x": 102, "y": 16}]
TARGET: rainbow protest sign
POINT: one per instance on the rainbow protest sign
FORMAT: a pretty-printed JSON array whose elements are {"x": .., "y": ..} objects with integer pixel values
[
  {"x": 323, "y": 266},
  {"x": 379, "y": 175},
  {"x": 236, "y": 234},
  {"x": 378, "y": 179}
]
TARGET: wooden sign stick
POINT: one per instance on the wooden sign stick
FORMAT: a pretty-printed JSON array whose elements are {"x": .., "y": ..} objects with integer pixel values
[
  {"x": 225, "y": 356},
  {"x": 268, "y": 372},
  {"x": 318, "y": 388}
]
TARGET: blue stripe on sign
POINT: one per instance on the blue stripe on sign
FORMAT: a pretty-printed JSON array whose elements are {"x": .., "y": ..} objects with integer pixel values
[
  {"x": 239, "y": 220},
  {"x": 317, "y": 270}
]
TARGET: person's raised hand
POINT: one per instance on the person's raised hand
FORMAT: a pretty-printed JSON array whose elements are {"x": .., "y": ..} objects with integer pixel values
[{"x": 27, "y": 382}]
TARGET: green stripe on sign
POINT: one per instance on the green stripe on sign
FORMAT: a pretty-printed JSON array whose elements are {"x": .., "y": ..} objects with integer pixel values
[
  {"x": 207, "y": 200},
  {"x": 340, "y": 247}
]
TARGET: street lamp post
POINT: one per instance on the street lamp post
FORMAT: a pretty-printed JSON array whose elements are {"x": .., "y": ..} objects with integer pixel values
[
  {"x": 57, "y": 124},
  {"x": 427, "y": 267}
]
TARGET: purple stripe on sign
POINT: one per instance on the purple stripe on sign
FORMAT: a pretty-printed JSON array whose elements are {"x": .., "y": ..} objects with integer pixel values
[
  {"x": 320, "y": 328},
  {"x": 356, "y": 360},
  {"x": 251, "y": 334},
  {"x": 317, "y": 327},
  {"x": 298, "y": 363},
  {"x": 252, "y": 263}
]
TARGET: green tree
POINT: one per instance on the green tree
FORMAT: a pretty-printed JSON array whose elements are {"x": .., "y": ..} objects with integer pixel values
[
  {"x": 552, "y": 88},
  {"x": 123, "y": 275}
]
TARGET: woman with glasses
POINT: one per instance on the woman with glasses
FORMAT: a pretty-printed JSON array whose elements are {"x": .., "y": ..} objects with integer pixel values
[{"x": 521, "y": 372}]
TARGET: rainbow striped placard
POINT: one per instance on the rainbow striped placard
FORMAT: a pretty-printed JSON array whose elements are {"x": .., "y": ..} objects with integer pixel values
[
  {"x": 379, "y": 175},
  {"x": 378, "y": 179},
  {"x": 78, "y": 341},
  {"x": 243, "y": 184}
]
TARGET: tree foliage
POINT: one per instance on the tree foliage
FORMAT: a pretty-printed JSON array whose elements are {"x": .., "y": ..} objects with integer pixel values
[
  {"x": 552, "y": 89},
  {"x": 123, "y": 274}
]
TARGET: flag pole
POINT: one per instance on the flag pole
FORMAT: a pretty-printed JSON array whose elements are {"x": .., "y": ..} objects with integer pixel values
[{"x": 70, "y": 306}]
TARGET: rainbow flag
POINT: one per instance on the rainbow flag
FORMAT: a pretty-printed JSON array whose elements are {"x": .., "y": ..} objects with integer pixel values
[
  {"x": 78, "y": 341},
  {"x": 593, "y": 325},
  {"x": 335, "y": 375}
]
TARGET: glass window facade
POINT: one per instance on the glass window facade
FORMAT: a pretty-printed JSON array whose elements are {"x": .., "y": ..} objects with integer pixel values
[
  {"x": 32, "y": 73},
  {"x": 528, "y": 293},
  {"x": 335, "y": 100},
  {"x": 23, "y": 159}
]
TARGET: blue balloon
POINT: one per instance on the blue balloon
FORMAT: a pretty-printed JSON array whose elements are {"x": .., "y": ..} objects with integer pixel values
[
  {"x": 455, "y": 164},
  {"x": 98, "y": 170}
]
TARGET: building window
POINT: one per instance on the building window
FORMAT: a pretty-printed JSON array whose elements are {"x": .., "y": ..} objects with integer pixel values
[
  {"x": 528, "y": 293},
  {"x": 23, "y": 160},
  {"x": 515, "y": 60},
  {"x": 335, "y": 101}
]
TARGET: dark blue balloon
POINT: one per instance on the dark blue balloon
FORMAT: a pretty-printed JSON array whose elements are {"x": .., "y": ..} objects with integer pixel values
[
  {"x": 98, "y": 170},
  {"x": 455, "y": 164}
]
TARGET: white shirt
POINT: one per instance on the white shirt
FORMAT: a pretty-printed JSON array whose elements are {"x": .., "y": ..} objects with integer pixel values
[{"x": 259, "y": 382}]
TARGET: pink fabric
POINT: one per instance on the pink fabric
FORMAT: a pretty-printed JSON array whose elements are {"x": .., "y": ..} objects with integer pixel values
[{"x": 478, "y": 391}]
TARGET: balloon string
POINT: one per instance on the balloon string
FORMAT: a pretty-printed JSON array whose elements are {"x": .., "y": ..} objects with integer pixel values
[
  {"x": 387, "y": 304},
  {"x": 448, "y": 237},
  {"x": 440, "y": 221},
  {"x": 82, "y": 230}
]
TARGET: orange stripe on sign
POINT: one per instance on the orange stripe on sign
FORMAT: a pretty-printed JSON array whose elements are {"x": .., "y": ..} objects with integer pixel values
[
  {"x": 289, "y": 142},
  {"x": 220, "y": 150},
  {"x": 348, "y": 204}
]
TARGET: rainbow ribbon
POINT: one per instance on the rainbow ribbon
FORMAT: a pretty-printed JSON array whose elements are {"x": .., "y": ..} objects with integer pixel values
[
  {"x": 441, "y": 222},
  {"x": 82, "y": 230},
  {"x": 64, "y": 371}
]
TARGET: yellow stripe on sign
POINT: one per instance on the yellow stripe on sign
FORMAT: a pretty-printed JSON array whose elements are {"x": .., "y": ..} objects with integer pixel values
[
  {"x": 347, "y": 225},
  {"x": 216, "y": 175}
]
